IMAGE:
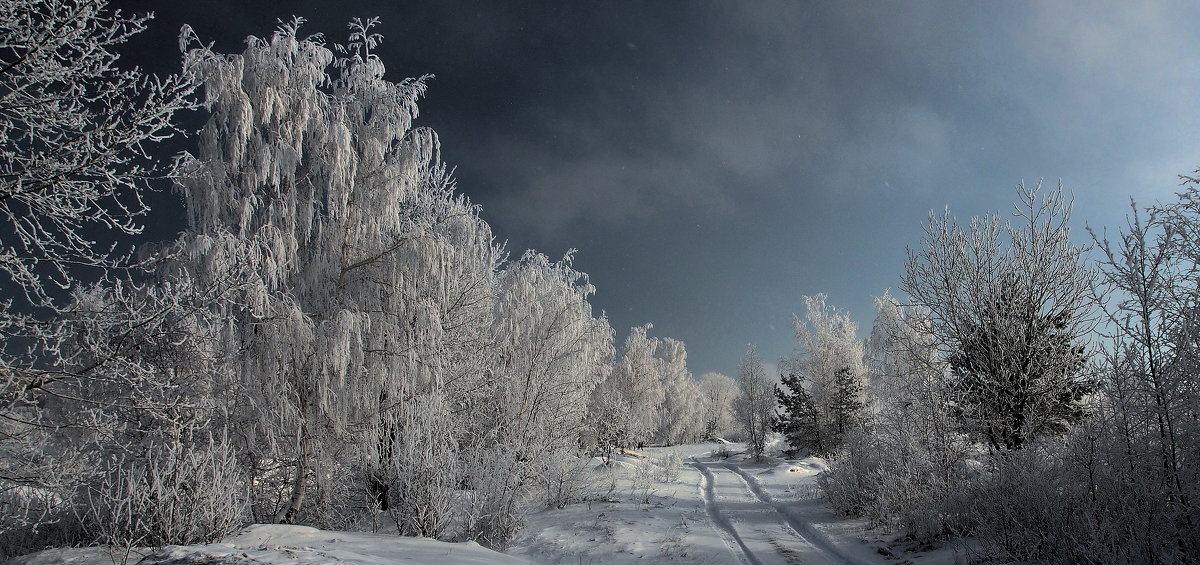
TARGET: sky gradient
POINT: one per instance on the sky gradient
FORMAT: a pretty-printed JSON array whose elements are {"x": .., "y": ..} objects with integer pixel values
[{"x": 713, "y": 162}]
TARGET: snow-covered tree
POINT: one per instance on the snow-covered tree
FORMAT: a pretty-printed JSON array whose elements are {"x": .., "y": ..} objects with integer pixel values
[
  {"x": 717, "y": 393},
  {"x": 829, "y": 358},
  {"x": 755, "y": 404},
  {"x": 369, "y": 281},
  {"x": 531, "y": 414},
  {"x": 651, "y": 376},
  {"x": 553, "y": 352},
  {"x": 1009, "y": 304},
  {"x": 637, "y": 376},
  {"x": 609, "y": 420},
  {"x": 680, "y": 419},
  {"x": 75, "y": 132},
  {"x": 883, "y": 357}
]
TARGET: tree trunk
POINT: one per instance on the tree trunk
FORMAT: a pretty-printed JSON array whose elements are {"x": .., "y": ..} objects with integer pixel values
[{"x": 297, "y": 498}]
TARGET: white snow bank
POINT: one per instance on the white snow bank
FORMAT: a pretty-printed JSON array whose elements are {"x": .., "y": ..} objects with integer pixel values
[
  {"x": 268, "y": 544},
  {"x": 802, "y": 468}
]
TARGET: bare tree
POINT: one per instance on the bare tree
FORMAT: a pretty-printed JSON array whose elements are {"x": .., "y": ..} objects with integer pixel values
[
  {"x": 1148, "y": 294},
  {"x": 1008, "y": 303},
  {"x": 74, "y": 135},
  {"x": 755, "y": 404}
]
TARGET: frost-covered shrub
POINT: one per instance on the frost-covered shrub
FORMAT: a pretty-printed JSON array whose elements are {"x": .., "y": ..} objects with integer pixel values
[
  {"x": 170, "y": 494},
  {"x": 424, "y": 469},
  {"x": 1095, "y": 496},
  {"x": 565, "y": 479},
  {"x": 1024, "y": 505},
  {"x": 853, "y": 482},
  {"x": 897, "y": 482},
  {"x": 494, "y": 513},
  {"x": 668, "y": 467},
  {"x": 723, "y": 452},
  {"x": 39, "y": 516}
]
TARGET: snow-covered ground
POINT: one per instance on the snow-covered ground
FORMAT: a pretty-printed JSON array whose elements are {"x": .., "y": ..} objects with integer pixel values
[
  {"x": 264, "y": 544},
  {"x": 694, "y": 504},
  {"x": 717, "y": 510}
]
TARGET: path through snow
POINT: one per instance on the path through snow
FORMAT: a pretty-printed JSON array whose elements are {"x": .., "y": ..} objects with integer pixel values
[
  {"x": 720, "y": 523},
  {"x": 740, "y": 505},
  {"x": 714, "y": 510}
]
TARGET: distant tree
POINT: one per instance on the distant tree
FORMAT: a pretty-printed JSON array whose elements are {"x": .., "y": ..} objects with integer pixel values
[
  {"x": 637, "y": 376},
  {"x": 829, "y": 357},
  {"x": 755, "y": 404},
  {"x": 798, "y": 419},
  {"x": 610, "y": 421},
  {"x": 717, "y": 394},
  {"x": 680, "y": 418},
  {"x": 883, "y": 353},
  {"x": 1009, "y": 316}
]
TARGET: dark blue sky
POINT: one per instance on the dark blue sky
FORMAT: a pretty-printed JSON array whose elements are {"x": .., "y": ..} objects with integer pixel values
[{"x": 713, "y": 162}]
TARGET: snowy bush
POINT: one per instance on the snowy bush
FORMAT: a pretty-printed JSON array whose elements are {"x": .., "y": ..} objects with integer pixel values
[
  {"x": 565, "y": 479},
  {"x": 496, "y": 479},
  {"x": 669, "y": 466},
  {"x": 1072, "y": 500},
  {"x": 40, "y": 515},
  {"x": 899, "y": 487},
  {"x": 424, "y": 470},
  {"x": 171, "y": 494},
  {"x": 644, "y": 477},
  {"x": 723, "y": 452}
]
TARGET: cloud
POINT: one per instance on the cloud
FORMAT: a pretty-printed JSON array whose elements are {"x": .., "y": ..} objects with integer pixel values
[{"x": 745, "y": 110}]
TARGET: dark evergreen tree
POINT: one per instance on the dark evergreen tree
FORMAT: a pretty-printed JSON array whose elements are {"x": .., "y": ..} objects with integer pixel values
[
  {"x": 847, "y": 404},
  {"x": 1018, "y": 374},
  {"x": 799, "y": 421}
]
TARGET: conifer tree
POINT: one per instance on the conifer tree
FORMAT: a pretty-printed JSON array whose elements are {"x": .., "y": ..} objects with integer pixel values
[
  {"x": 798, "y": 420},
  {"x": 846, "y": 406}
]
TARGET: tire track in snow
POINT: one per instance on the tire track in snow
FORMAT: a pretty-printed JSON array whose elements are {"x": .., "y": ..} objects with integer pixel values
[
  {"x": 720, "y": 523},
  {"x": 801, "y": 527}
]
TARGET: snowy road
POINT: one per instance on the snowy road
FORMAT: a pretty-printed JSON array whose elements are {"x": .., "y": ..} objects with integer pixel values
[
  {"x": 757, "y": 529},
  {"x": 712, "y": 511}
]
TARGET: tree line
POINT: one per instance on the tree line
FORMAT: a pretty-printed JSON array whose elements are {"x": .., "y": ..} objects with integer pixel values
[
  {"x": 1024, "y": 393},
  {"x": 335, "y": 338}
]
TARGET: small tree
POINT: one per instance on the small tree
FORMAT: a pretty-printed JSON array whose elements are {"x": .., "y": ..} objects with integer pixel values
[
  {"x": 846, "y": 405},
  {"x": 756, "y": 402},
  {"x": 799, "y": 421},
  {"x": 610, "y": 423}
]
